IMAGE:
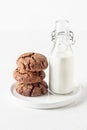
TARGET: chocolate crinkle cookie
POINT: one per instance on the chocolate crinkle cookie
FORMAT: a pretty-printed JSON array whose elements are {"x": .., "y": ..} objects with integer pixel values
[
  {"x": 30, "y": 74},
  {"x": 29, "y": 77},
  {"x": 33, "y": 90},
  {"x": 31, "y": 62}
]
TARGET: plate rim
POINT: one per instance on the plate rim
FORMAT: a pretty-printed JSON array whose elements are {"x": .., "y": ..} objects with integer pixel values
[{"x": 45, "y": 105}]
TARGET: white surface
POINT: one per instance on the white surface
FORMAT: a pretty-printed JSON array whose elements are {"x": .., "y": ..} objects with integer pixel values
[
  {"x": 26, "y": 26},
  {"x": 47, "y": 101}
]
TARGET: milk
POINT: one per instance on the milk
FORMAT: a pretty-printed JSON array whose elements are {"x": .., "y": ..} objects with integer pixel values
[{"x": 61, "y": 73}]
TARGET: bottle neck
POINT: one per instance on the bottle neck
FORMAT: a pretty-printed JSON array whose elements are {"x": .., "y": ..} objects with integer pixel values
[
  {"x": 62, "y": 44},
  {"x": 62, "y": 37}
]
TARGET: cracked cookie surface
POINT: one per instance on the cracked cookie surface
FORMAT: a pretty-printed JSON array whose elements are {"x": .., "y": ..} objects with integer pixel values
[
  {"x": 33, "y": 90},
  {"x": 29, "y": 77},
  {"x": 31, "y": 62}
]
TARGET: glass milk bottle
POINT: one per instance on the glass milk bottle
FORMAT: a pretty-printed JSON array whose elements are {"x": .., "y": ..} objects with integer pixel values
[{"x": 61, "y": 61}]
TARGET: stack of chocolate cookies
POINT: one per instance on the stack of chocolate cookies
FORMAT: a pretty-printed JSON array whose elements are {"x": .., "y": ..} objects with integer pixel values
[{"x": 30, "y": 75}]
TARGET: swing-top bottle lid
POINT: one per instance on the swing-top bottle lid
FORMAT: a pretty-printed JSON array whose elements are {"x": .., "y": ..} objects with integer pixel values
[{"x": 62, "y": 26}]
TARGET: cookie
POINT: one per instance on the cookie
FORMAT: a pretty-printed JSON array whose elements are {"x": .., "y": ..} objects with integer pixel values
[
  {"x": 29, "y": 77},
  {"x": 33, "y": 90},
  {"x": 31, "y": 62}
]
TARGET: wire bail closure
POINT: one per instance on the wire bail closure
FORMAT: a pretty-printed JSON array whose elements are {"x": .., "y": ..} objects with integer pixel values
[{"x": 69, "y": 35}]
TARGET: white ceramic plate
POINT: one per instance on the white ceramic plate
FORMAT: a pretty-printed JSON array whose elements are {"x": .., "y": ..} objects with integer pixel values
[{"x": 48, "y": 101}]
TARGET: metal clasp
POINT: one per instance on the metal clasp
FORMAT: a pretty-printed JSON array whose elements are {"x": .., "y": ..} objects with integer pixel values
[
  {"x": 69, "y": 35},
  {"x": 53, "y": 36}
]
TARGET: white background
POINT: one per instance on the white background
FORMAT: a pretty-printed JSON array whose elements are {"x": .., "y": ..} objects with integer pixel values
[{"x": 26, "y": 25}]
